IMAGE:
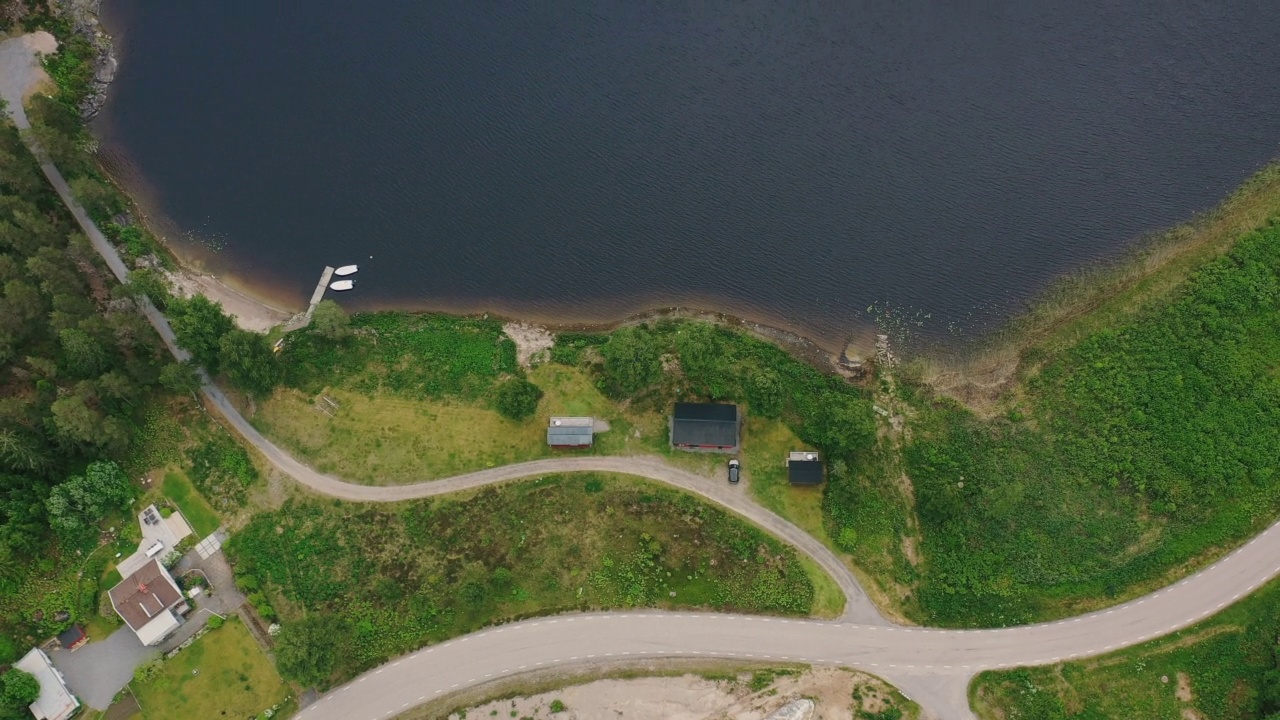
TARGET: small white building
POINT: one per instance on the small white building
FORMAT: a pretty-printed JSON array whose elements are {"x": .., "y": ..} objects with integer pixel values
[{"x": 55, "y": 701}]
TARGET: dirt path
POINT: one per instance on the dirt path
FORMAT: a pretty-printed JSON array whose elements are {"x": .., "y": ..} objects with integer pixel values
[{"x": 20, "y": 70}]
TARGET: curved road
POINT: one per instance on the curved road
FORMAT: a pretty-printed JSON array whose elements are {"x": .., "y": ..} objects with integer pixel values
[
  {"x": 932, "y": 666},
  {"x": 858, "y": 607}
]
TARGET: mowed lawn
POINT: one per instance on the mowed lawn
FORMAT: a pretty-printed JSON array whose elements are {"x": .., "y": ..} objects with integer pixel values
[
  {"x": 765, "y": 444},
  {"x": 385, "y": 439},
  {"x": 222, "y": 675},
  {"x": 194, "y": 508}
]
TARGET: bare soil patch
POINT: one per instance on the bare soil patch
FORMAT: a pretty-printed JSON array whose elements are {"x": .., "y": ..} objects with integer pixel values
[
  {"x": 1183, "y": 693},
  {"x": 837, "y": 694},
  {"x": 532, "y": 342}
]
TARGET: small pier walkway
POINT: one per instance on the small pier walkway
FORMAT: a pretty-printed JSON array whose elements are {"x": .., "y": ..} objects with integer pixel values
[{"x": 304, "y": 319}]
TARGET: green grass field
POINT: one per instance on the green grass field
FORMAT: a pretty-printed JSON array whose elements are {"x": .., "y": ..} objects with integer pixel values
[
  {"x": 387, "y": 439},
  {"x": 195, "y": 509},
  {"x": 1220, "y": 669},
  {"x": 399, "y": 576},
  {"x": 223, "y": 675},
  {"x": 1140, "y": 451}
]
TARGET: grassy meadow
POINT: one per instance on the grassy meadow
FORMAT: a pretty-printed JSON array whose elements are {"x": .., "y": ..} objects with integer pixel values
[
  {"x": 1140, "y": 451},
  {"x": 396, "y": 577},
  {"x": 1222, "y": 668},
  {"x": 224, "y": 674},
  {"x": 385, "y": 438}
]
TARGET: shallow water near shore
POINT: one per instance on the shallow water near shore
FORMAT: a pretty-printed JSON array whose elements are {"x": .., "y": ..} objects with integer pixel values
[{"x": 814, "y": 168}]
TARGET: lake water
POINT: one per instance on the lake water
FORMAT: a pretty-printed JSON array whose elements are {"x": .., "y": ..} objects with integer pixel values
[{"x": 810, "y": 165}]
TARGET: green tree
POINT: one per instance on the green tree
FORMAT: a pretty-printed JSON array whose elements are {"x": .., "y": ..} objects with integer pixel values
[
  {"x": 765, "y": 392},
  {"x": 703, "y": 358},
  {"x": 307, "y": 651},
  {"x": 152, "y": 284},
  {"x": 330, "y": 320},
  {"x": 517, "y": 398},
  {"x": 840, "y": 423},
  {"x": 56, "y": 272},
  {"x": 96, "y": 197},
  {"x": 20, "y": 690},
  {"x": 632, "y": 361},
  {"x": 82, "y": 354},
  {"x": 76, "y": 505},
  {"x": 200, "y": 324},
  {"x": 247, "y": 360},
  {"x": 180, "y": 378}
]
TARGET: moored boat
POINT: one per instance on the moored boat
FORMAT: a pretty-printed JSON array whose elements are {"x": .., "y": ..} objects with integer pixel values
[
  {"x": 342, "y": 285},
  {"x": 347, "y": 270}
]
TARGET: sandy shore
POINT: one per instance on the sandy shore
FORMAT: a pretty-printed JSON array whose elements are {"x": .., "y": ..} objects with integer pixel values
[{"x": 249, "y": 312}]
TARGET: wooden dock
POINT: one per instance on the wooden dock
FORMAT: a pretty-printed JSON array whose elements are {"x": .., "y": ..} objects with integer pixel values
[
  {"x": 304, "y": 319},
  {"x": 320, "y": 288}
]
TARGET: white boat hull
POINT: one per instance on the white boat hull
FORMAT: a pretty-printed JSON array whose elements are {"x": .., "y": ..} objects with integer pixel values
[
  {"x": 347, "y": 270},
  {"x": 341, "y": 285}
]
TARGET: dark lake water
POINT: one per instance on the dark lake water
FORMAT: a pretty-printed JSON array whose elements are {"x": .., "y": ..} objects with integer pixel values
[{"x": 797, "y": 163}]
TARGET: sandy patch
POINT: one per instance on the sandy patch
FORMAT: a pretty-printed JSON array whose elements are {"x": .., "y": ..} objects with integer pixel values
[
  {"x": 249, "y": 313},
  {"x": 20, "y": 72},
  {"x": 532, "y": 342},
  {"x": 1191, "y": 714},
  {"x": 837, "y": 695},
  {"x": 1183, "y": 693}
]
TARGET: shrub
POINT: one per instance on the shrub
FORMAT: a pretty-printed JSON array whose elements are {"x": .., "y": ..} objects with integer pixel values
[
  {"x": 517, "y": 398},
  {"x": 215, "y": 622},
  {"x": 631, "y": 361},
  {"x": 558, "y": 706},
  {"x": 149, "y": 670}
]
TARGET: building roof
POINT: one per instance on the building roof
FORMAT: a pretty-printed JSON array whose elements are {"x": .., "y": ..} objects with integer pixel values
[
  {"x": 55, "y": 701},
  {"x": 71, "y": 636},
  {"x": 148, "y": 592},
  {"x": 158, "y": 628},
  {"x": 573, "y": 435},
  {"x": 723, "y": 412},
  {"x": 705, "y": 425},
  {"x": 805, "y": 472},
  {"x": 571, "y": 422}
]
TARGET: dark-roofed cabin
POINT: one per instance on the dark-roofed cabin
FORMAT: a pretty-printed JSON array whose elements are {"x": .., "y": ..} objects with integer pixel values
[
  {"x": 570, "y": 432},
  {"x": 72, "y": 638},
  {"x": 705, "y": 426},
  {"x": 804, "y": 468}
]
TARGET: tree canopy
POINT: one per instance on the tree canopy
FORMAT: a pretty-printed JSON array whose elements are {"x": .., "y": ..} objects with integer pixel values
[{"x": 77, "y": 504}]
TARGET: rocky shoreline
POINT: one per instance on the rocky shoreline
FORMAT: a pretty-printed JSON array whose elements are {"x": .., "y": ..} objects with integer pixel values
[{"x": 83, "y": 17}]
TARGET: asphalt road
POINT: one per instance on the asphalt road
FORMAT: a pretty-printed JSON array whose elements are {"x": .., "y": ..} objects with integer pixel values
[{"x": 931, "y": 666}]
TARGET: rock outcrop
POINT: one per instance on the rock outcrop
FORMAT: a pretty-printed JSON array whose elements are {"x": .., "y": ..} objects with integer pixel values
[
  {"x": 83, "y": 16},
  {"x": 801, "y": 709}
]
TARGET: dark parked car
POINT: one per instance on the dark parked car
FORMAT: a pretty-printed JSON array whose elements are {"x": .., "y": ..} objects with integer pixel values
[{"x": 734, "y": 468}]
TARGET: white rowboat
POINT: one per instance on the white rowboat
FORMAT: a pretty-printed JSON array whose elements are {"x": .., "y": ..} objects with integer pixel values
[
  {"x": 342, "y": 285},
  {"x": 346, "y": 270}
]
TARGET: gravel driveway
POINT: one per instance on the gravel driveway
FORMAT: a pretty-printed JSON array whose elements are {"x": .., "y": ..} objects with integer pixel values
[
  {"x": 97, "y": 671},
  {"x": 20, "y": 70}
]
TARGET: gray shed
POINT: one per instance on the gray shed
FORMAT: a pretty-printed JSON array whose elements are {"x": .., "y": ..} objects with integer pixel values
[{"x": 570, "y": 432}]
